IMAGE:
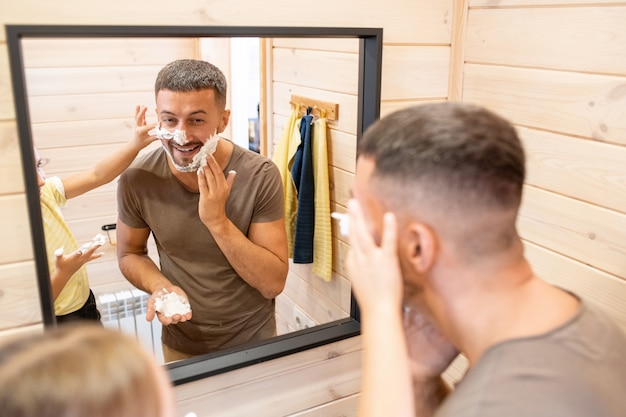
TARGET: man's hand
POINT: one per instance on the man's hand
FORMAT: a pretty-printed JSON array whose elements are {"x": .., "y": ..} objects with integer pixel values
[
  {"x": 374, "y": 269},
  {"x": 166, "y": 320},
  {"x": 214, "y": 191}
]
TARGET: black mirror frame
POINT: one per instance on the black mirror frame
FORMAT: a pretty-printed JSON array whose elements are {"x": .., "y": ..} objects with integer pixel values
[{"x": 369, "y": 92}]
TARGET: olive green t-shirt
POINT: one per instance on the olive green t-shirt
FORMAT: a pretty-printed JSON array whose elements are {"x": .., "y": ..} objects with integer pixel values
[
  {"x": 226, "y": 311},
  {"x": 576, "y": 370}
]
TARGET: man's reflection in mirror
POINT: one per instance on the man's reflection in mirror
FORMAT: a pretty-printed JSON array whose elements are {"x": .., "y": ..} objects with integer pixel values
[{"x": 215, "y": 211}]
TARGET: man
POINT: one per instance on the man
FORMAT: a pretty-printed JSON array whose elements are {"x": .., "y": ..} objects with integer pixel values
[
  {"x": 438, "y": 268},
  {"x": 221, "y": 241}
]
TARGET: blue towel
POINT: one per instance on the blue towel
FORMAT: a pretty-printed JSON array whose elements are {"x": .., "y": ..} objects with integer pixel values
[{"x": 302, "y": 173}]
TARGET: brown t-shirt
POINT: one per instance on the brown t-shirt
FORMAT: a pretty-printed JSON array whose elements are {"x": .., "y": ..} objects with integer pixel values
[
  {"x": 226, "y": 310},
  {"x": 576, "y": 370}
]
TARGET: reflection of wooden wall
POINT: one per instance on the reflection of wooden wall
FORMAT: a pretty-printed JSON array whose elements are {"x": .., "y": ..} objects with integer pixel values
[
  {"x": 540, "y": 62},
  {"x": 82, "y": 97},
  {"x": 326, "y": 70}
]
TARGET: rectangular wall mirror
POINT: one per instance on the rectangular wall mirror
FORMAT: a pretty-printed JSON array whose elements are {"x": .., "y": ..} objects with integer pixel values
[{"x": 74, "y": 120}]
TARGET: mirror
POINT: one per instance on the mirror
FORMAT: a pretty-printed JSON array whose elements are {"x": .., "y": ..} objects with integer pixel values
[{"x": 34, "y": 114}]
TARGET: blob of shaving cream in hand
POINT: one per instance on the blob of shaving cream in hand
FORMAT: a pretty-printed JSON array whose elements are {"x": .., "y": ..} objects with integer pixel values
[
  {"x": 170, "y": 303},
  {"x": 344, "y": 223},
  {"x": 179, "y": 136}
]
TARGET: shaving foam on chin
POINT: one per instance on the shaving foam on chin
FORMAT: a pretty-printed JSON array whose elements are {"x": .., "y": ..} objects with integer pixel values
[{"x": 179, "y": 136}]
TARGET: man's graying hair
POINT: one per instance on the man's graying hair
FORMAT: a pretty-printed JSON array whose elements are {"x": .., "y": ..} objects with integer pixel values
[
  {"x": 464, "y": 152},
  {"x": 185, "y": 75}
]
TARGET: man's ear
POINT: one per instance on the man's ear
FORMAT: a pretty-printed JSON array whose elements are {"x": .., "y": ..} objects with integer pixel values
[
  {"x": 223, "y": 121},
  {"x": 419, "y": 246}
]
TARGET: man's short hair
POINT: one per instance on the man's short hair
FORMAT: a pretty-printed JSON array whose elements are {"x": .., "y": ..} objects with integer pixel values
[
  {"x": 185, "y": 75},
  {"x": 466, "y": 152}
]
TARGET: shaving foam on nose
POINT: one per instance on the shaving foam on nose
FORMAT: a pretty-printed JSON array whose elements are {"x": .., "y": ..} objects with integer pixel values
[{"x": 179, "y": 136}]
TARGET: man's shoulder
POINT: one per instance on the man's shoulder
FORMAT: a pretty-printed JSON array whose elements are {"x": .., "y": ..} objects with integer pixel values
[
  {"x": 153, "y": 161},
  {"x": 252, "y": 161}
]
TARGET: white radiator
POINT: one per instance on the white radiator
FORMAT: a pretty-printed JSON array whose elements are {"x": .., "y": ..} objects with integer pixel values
[{"x": 126, "y": 311}]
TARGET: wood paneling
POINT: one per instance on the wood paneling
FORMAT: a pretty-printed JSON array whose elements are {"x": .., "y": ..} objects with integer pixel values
[
  {"x": 10, "y": 159},
  {"x": 554, "y": 67},
  {"x": 579, "y": 230},
  {"x": 554, "y": 163},
  {"x": 15, "y": 245},
  {"x": 578, "y": 104},
  {"x": 6, "y": 93},
  {"x": 305, "y": 68},
  {"x": 347, "y": 105},
  {"x": 19, "y": 301},
  {"x": 530, "y": 3},
  {"x": 326, "y": 70},
  {"x": 282, "y": 387},
  {"x": 101, "y": 131},
  {"x": 411, "y": 72},
  {"x": 108, "y": 53},
  {"x": 605, "y": 290},
  {"x": 593, "y": 37}
]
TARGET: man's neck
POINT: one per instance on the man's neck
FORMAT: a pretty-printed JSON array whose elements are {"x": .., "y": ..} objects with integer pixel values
[{"x": 498, "y": 305}]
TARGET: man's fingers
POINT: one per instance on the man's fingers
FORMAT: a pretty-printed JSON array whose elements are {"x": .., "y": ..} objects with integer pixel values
[
  {"x": 388, "y": 241},
  {"x": 231, "y": 178}
]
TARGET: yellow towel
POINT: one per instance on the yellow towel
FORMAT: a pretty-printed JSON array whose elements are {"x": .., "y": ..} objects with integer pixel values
[
  {"x": 322, "y": 238},
  {"x": 283, "y": 158}
]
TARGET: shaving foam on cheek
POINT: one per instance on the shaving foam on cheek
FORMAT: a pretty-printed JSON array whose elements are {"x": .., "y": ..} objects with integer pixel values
[{"x": 208, "y": 148}]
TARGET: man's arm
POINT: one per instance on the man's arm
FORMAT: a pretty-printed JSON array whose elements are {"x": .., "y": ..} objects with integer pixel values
[
  {"x": 260, "y": 258},
  {"x": 374, "y": 270},
  {"x": 141, "y": 271},
  {"x": 113, "y": 165}
]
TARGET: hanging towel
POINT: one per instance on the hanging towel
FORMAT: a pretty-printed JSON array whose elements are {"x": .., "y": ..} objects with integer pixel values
[
  {"x": 302, "y": 173},
  {"x": 283, "y": 158},
  {"x": 323, "y": 238}
]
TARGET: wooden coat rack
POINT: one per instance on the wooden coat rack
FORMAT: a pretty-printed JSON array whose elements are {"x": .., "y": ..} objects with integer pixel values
[{"x": 319, "y": 108}]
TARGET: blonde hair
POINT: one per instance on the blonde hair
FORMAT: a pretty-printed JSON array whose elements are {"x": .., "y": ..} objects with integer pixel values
[{"x": 82, "y": 370}]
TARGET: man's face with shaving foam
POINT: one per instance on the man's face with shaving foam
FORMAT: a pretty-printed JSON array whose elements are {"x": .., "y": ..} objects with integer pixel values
[{"x": 199, "y": 116}]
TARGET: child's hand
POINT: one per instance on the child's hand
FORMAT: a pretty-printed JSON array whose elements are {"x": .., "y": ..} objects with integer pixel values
[
  {"x": 67, "y": 265},
  {"x": 142, "y": 136}
]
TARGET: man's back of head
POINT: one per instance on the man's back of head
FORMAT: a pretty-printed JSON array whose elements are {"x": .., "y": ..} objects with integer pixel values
[{"x": 459, "y": 167}]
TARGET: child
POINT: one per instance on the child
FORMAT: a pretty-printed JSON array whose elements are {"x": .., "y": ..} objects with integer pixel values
[
  {"x": 73, "y": 299},
  {"x": 81, "y": 370}
]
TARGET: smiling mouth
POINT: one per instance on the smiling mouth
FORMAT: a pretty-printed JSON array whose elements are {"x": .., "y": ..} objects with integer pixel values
[{"x": 187, "y": 150}]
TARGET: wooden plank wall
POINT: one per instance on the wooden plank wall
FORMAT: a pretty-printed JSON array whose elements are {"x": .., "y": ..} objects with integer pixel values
[
  {"x": 82, "y": 97},
  {"x": 325, "y": 70},
  {"x": 556, "y": 68},
  {"x": 558, "y": 71}
]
